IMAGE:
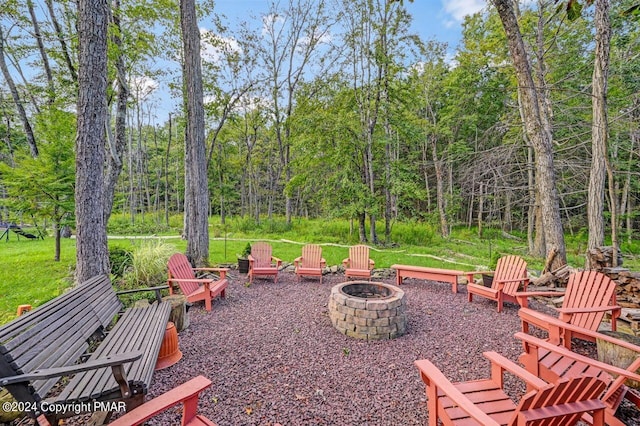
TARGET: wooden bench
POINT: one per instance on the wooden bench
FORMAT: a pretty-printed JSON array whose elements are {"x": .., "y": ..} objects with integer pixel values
[
  {"x": 53, "y": 341},
  {"x": 432, "y": 274}
]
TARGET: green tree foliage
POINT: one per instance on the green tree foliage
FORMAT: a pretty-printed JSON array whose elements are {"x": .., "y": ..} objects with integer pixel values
[{"x": 42, "y": 188}]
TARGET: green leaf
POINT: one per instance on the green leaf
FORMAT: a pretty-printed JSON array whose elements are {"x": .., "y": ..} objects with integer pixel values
[{"x": 574, "y": 10}]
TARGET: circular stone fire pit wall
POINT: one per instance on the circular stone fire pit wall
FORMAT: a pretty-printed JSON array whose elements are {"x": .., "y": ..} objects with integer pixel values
[{"x": 368, "y": 310}]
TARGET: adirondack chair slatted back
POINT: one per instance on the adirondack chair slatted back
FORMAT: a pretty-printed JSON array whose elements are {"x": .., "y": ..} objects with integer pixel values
[
  {"x": 359, "y": 257},
  {"x": 589, "y": 289},
  {"x": 509, "y": 268},
  {"x": 311, "y": 256},
  {"x": 559, "y": 399},
  {"x": 180, "y": 268},
  {"x": 261, "y": 253}
]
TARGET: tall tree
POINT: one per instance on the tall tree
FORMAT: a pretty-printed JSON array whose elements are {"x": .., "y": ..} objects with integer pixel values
[
  {"x": 16, "y": 98},
  {"x": 541, "y": 140},
  {"x": 196, "y": 182},
  {"x": 599, "y": 127},
  {"x": 92, "y": 257}
]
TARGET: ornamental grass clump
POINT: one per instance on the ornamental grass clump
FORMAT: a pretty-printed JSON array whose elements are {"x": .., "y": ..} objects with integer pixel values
[{"x": 149, "y": 266}]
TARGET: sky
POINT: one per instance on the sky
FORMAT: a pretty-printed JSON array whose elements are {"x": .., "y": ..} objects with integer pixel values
[
  {"x": 439, "y": 20},
  {"x": 432, "y": 19}
]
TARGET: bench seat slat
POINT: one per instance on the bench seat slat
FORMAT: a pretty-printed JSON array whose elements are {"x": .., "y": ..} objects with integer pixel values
[{"x": 127, "y": 335}]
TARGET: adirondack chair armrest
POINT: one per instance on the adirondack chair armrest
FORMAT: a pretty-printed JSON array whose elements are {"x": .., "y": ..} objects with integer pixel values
[
  {"x": 372, "y": 263},
  {"x": 504, "y": 364},
  {"x": 515, "y": 280},
  {"x": 48, "y": 373},
  {"x": 296, "y": 261},
  {"x": 523, "y": 296},
  {"x": 276, "y": 260},
  {"x": 478, "y": 272},
  {"x": 323, "y": 263},
  {"x": 191, "y": 280},
  {"x": 529, "y": 340},
  {"x": 221, "y": 271},
  {"x": 571, "y": 311},
  {"x": 346, "y": 262},
  {"x": 436, "y": 382},
  {"x": 187, "y": 392}
]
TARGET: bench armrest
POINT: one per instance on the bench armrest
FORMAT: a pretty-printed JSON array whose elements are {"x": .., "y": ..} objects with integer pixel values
[
  {"x": 48, "y": 373},
  {"x": 154, "y": 289}
]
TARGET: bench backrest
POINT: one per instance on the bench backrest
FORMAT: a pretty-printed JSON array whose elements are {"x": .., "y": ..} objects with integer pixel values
[
  {"x": 509, "y": 268},
  {"x": 589, "y": 289},
  {"x": 311, "y": 256},
  {"x": 58, "y": 332},
  {"x": 180, "y": 268},
  {"x": 261, "y": 253},
  {"x": 359, "y": 257}
]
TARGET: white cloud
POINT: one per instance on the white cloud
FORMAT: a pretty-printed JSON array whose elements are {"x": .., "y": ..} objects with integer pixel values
[
  {"x": 213, "y": 46},
  {"x": 142, "y": 86},
  {"x": 458, "y": 9}
]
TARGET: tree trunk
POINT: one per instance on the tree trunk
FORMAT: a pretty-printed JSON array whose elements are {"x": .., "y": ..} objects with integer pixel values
[
  {"x": 61, "y": 40},
  {"x": 117, "y": 144},
  {"x": 196, "y": 183},
  {"x": 92, "y": 257},
  {"x": 440, "y": 195},
  {"x": 540, "y": 139},
  {"x": 43, "y": 53},
  {"x": 599, "y": 128},
  {"x": 28, "y": 131}
]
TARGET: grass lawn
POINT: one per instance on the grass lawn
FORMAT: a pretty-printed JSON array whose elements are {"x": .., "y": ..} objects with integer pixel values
[{"x": 28, "y": 274}]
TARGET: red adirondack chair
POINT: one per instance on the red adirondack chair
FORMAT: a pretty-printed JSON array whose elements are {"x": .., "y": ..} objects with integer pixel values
[
  {"x": 510, "y": 273},
  {"x": 589, "y": 295},
  {"x": 311, "y": 263},
  {"x": 551, "y": 361},
  {"x": 261, "y": 262},
  {"x": 358, "y": 264},
  {"x": 195, "y": 289},
  {"x": 187, "y": 394},
  {"x": 484, "y": 402}
]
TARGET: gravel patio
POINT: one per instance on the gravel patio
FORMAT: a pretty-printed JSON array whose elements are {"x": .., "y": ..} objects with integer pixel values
[{"x": 274, "y": 357}]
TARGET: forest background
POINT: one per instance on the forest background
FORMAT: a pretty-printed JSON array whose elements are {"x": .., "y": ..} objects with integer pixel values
[{"x": 328, "y": 109}]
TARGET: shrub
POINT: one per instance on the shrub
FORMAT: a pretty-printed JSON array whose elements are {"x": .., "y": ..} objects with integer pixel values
[
  {"x": 149, "y": 266},
  {"x": 120, "y": 259}
]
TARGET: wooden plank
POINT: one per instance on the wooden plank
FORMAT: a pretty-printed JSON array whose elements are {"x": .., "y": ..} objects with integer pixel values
[{"x": 138, "y": 329}]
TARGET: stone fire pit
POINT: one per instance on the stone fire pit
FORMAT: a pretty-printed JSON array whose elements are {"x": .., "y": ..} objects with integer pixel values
[{"x": 368, "y": 310}]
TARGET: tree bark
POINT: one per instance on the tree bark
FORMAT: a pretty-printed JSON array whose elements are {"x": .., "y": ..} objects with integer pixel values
[
  {"x": 119, "y": 142},
  {"x": 196, "y": 183},
  {"x": 539, "y": 137},
  {"x": 91, "y": 235},
  {"x": 599, "y": 128}
]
